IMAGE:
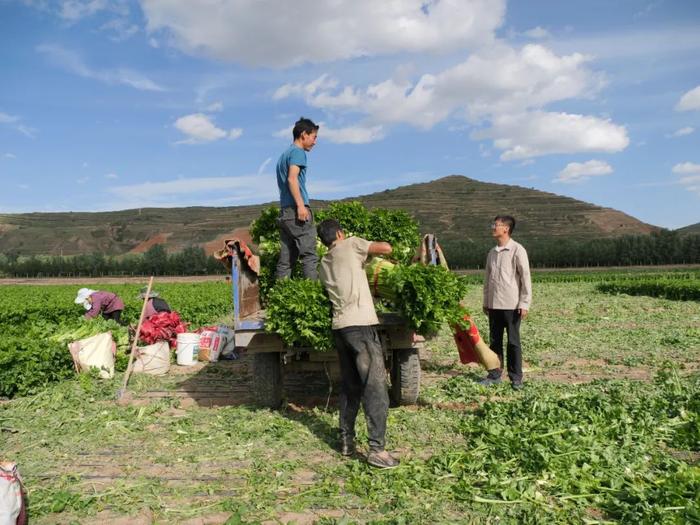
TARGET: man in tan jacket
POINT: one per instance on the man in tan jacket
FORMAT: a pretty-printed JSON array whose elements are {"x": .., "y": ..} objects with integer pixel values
[
  {"x": 507, "y": 298},
  {"x": 363, "y": 376}
]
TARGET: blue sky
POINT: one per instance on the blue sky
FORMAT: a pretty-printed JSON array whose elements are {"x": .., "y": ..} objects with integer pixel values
[{"x": 114, "y": 104}]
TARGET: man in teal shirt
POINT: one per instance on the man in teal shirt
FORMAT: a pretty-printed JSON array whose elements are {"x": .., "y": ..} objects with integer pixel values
[{"x": 296, "y": 221}]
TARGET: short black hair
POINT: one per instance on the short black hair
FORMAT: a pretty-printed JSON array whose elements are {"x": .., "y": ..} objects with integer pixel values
[
  {"x": 508, "y": 221},
  {"x": 303, "y": 125},
  {"x": 328, "y": 231}
]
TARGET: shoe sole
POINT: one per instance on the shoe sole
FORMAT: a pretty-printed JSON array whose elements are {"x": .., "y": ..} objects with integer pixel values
[{"x": 382, "y": 466}]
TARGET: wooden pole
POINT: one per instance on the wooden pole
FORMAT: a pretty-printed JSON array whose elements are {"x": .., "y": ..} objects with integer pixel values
[{"x": 121, "y": 392}]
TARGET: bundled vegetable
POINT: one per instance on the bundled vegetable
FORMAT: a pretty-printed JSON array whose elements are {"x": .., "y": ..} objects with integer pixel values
[
  {"x": 88, "y": 328},
  {"x": 163, "y": 326},
  {"x": 300, "y": 312}
]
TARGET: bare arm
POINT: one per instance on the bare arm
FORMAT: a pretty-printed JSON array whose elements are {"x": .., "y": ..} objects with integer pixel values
[
  {"x": 379, "y": 248},
  {"x": 293, "y": 183}
]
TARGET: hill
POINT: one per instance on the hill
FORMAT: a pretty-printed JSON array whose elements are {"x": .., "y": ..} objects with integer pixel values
[
  {"x": 454, "y": 207},
  {"x": 692, "y": 228}
]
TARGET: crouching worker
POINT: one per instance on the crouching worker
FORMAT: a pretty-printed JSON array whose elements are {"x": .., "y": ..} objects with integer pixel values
[
  {"x": 98, "y": 302},
  {"x": 360, "y": 354},
  {"x": 155, "y": 303}
]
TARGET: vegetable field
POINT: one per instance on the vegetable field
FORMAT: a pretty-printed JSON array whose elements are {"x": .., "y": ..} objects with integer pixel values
[{"x": 606, "y": 430}]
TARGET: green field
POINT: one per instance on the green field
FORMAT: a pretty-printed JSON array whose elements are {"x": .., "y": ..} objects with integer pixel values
[{"x": 607, "y": 430}]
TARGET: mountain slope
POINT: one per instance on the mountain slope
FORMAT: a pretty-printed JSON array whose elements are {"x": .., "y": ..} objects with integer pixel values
[{"x": 454, "y": 208}]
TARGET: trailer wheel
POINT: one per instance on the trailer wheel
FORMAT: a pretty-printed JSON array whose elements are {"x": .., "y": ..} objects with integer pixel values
[
  {"x": 405, "y": 376},
  {"x": 267, "y": 379}
]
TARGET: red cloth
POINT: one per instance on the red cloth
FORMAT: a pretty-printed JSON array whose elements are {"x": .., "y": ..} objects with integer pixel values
[
  {"x": 466, "y": 339},
  {"x": 163, "y": 326}
]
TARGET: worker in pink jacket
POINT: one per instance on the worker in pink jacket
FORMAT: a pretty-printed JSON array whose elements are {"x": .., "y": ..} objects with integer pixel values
[{"x": 98, "y": 302}]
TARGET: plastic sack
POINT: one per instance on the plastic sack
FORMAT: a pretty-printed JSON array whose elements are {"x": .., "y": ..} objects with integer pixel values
[
  {"x": 97, "y": 351},
  {"x": 228, "y": 342},
  {"x": 472, "y": 348},
  {"x": 13, "y": 500},
  {"x": 152, "y": 359},
  {"x": 210, "y": 344}
]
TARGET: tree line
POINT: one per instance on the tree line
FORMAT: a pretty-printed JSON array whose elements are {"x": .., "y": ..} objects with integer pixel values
[
  {"x": 156, "y": 261},
  {"x": 665, "y": 247}
]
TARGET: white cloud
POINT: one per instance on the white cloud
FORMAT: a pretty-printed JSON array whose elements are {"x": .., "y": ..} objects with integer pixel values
[
  {"x": 199, "y": 128},
  {"x": 8, "y": 119},
  {"x": 332, "y": 30},
  {"x": 534, "y": 134},
  {"x": 82, "y": 180},
  {"x": 215, "y": 106},
  {"x": 690, "y": 101},
  {"x": 23, "y": 186},
  {"x": 264, "y": 165},
  {"x": 120, "y": 29},
  {"x": 537, "y": 33},
  {"x": 360, "y": 134},
  {"x": 500, "y": 79},
  {"x": 686, "y": 168},
  {"x": 75, "y": 9},
  {"x": 683, "y": 132},
  {"x": 246, "y": 188},
  {"x": 10, "y": 156},
  {"x": 15, "y": 122},
  {"x": 111, "y": 176},
  {"x": 352, "y": 134},
  {"x": 581, "y": 171},
  {"x": 73, "y": 63}
]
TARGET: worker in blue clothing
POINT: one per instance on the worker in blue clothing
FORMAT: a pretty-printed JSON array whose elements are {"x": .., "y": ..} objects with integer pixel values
[{"x": 296, "y": 220}]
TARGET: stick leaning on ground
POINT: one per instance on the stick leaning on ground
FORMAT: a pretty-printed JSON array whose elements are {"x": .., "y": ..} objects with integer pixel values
[{"x": 122, "y": 390}]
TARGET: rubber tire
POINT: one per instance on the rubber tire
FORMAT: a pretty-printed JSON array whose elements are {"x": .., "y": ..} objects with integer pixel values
[
  {"x": 405, "y": 376},
  {"x": 266, "y": 377}
]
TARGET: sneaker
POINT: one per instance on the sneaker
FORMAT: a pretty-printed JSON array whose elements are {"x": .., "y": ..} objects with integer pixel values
[
  {"x": 347, "y": 448},
  {"x": 517, "y": 386},
  {"x": 382, "y": 460},
  {"x": 488, "y": 381}
]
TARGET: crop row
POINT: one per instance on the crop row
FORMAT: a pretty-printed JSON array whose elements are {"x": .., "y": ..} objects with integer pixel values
[
  {"x": 197, "y": 303},
  {"x": 683, "y": 290},
  {"x": 601, "y": 276}
]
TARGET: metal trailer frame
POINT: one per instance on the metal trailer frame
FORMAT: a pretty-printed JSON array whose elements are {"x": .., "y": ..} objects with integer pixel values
[{"x": 270, "y": 357}]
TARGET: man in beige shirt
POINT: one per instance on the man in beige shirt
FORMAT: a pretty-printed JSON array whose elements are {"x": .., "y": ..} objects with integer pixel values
[
  {"x": 507, "y": 298},
  {"x": 363, "y": 376}
]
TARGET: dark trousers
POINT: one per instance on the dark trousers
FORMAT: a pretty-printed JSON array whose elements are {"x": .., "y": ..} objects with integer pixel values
[
  {"x": 116, "y": 315},
  {"x": 363, "y": 379},
  {"x": 297, "y": 241},
  {"x": 508, "y": 320}
]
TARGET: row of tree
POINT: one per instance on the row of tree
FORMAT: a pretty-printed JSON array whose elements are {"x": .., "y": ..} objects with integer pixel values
[
  {"x": 155, "y": 261},
  {"x": 666, "y": 247}
]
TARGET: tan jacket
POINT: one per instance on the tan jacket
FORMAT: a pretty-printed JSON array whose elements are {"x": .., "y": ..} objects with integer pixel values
[
  {"x": 507, "y": 284},
  {"x": 344, "y": 277}
]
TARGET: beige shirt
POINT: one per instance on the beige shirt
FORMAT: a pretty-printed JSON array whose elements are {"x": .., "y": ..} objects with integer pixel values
[
  {"x": 507, "y": 284},
  {"x": 344, "y": 277}
]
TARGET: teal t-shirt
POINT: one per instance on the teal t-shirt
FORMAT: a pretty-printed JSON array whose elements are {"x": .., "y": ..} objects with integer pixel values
[{"x": 296, "y": 156}]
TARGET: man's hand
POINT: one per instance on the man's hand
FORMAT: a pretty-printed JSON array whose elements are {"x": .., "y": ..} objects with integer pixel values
[
  {"x": 303, "y": 213},
  {"x": 522, "y": 312}
]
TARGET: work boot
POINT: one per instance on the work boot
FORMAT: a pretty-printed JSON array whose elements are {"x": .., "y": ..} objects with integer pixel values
[
  {"x": 516, "y": 385},
  {"x": 493, "y": 378},
  {"x": 382, "y": 459}
]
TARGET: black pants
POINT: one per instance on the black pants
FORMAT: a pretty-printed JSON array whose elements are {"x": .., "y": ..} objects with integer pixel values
[
  {"x": 363, "y": 377},
  {"x": 297, "y": 241},
  {"x": 508, "y": 320},
  {"x": 116, "y": 315}
]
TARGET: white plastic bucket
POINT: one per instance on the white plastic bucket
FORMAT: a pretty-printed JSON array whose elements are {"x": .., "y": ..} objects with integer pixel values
[{"x": 187, "y": 348}]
